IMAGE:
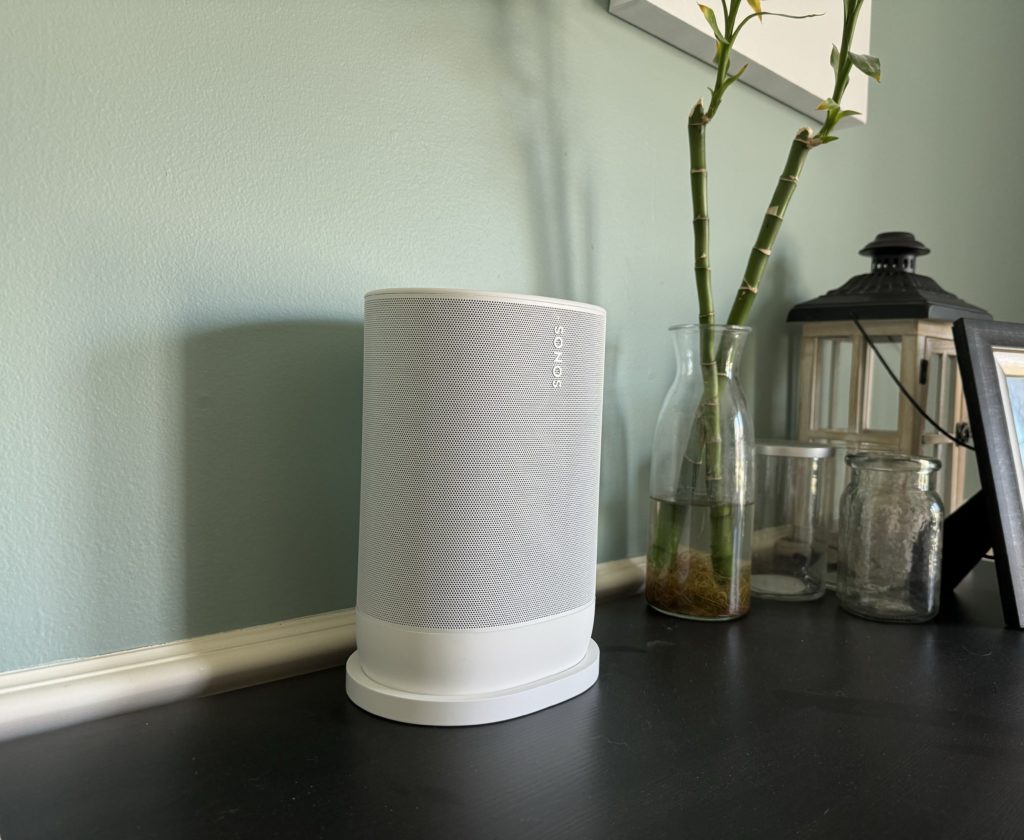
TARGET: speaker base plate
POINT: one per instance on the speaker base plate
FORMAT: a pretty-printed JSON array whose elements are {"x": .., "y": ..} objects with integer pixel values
[{"x": 469, "y": 709}]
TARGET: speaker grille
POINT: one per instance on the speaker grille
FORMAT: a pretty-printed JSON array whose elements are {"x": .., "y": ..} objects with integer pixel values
[{"x": 480, "y": 475}]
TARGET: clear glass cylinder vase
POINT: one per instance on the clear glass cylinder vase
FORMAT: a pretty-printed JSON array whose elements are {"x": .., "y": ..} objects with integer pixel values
[
  {"x": 698, "y": 557},
  {"x": 890, "y": 538}
]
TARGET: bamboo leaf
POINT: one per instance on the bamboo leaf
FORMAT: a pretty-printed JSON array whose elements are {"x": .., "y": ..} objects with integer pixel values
[
  {"x": 834, "y": 60},
  {"x": 829, "y": 139},
  {"x": 868, "y": 65},
  {"x": 730, "y": 79},
  {"x": 709, "y": 16},
  {"x": 782, "y": 15},
  {"x": 845, "y": 114},
  {"x": 755, "y": 5},
  {"x": 760, "y": 15},
  {"x": 827, "y": 105}
]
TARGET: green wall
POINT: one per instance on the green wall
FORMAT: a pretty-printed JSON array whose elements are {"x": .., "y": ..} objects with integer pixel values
[{"x": 195, "y": 197}]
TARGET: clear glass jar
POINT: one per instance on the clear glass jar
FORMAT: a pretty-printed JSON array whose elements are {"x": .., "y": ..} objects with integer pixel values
[
  {"x": 890, "y": 538},
  {"x": 835, "y": 476},
  {"x": 698, "y": 559},
  {"x": 789, "y": 545}
]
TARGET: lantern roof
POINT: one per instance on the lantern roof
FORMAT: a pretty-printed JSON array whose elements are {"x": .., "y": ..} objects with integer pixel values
[{"x": 892, "y": 290}]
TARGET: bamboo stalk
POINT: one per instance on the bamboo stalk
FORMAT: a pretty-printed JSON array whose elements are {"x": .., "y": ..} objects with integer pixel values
[
  {"x": 665, "y": 544},
  {"x": 843, "y": 61},
  {"x": 771, "y": 224},
  {"x": 695, "y": 132},
  {"x": 711, "y": 415},
  {"x": 702, "y": 270}
]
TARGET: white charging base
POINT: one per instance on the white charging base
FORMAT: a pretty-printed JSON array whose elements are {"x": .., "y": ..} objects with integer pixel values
[{"x": 469, "y": 709}]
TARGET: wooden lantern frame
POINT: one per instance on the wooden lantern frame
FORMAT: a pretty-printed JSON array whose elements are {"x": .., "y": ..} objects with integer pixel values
[{"x": 927, "y": 361}]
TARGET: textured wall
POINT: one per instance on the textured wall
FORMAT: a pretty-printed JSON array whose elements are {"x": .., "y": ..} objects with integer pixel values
[{"x": 196, "y": 195}]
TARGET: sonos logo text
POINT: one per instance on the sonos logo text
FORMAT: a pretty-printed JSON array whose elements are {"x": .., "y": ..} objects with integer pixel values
[{"x": 557, "y": 366}]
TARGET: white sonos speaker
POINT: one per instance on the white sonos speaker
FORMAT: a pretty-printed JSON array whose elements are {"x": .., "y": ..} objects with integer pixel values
[{"x": 478, "y": 512}]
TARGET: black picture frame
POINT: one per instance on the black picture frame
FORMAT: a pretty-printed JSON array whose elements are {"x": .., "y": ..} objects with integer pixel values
[{"x": 986, "y": 351}]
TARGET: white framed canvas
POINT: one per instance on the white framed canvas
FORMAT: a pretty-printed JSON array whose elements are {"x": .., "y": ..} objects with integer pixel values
[{"x": 789, "y": 59}]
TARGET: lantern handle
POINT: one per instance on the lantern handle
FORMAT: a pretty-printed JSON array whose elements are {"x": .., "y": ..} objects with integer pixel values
[{"x": 963, "y": 431}]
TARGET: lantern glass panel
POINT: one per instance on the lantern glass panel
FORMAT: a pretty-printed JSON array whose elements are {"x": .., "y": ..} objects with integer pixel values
[
  {"x": 823, "y": 369},
  {"x": 947, "y": 411},
  {"x": 882, "y": 410},
  {"x": 944, "y": 453},
  {"x": 834, "y": 368},
  {"x": 936, "y": 375}
]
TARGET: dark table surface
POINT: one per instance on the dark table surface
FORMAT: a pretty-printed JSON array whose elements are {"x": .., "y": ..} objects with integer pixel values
[{"x": 797, "y": 721}]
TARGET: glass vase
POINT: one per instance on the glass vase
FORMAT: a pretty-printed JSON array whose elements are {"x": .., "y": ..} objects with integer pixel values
[
  {"x": 890, "y": 538},
  {"x": 698, "y": 559}
]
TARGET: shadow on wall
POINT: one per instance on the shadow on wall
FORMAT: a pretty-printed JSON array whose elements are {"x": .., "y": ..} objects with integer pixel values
[
  {"x": 613, "y": 519},
  {"x": 272, "y": 448},
  {"x": 529, "y": 39}
]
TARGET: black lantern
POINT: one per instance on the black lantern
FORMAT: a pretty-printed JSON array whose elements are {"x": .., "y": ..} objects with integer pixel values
[{"x": 848, "y": 400}]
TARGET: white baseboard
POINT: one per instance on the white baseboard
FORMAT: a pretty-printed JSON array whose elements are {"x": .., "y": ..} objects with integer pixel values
[
  {"x": 51, "y": 696},
  {"x": 38, "y": 699},
  {"x": 620, "y": 577}
]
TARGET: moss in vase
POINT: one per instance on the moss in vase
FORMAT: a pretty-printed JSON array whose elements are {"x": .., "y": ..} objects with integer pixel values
[{"x": 690, "y": 587}]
